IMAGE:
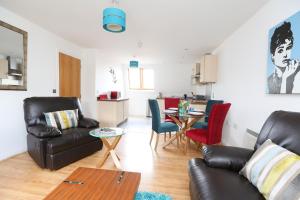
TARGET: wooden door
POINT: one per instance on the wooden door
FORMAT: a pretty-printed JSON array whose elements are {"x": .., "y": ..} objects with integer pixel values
[{"x": 69, "y": 76}]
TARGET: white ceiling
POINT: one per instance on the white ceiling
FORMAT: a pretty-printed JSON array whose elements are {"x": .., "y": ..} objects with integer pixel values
[{"x": 165, "y": 27}]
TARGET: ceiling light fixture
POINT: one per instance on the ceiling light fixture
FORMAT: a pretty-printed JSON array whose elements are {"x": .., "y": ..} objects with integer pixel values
[{"x": 114, "y": 19}]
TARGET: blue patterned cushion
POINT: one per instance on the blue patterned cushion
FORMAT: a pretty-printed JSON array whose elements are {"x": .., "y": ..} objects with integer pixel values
[
  {"x": 275, "y": 172},
  {"x": 62, "y": 119},
  {"x": 151, "y": 196}
]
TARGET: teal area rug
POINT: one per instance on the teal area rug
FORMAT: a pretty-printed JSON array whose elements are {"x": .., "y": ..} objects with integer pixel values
[{"x": 151, "y": 196}]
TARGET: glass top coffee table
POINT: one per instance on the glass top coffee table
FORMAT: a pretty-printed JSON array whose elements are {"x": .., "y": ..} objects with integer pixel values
[{"x": 104, "y": 134}]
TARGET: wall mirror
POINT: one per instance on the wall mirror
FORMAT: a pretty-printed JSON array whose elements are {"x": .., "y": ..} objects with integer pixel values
[{"x": 13, "y": 57}]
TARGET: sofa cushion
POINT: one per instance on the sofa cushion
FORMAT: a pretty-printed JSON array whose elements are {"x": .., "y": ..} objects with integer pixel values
[
  {"x": 273, "y": 169},
  {"x": 219, "y": 184},
  {"x": 70, "y": 138},
  {"x": 62, "y": 119},
  {"x": 226, "y": 157},
  {"x": 88, "y": 123},
  {"x": 43, "y": 131}
]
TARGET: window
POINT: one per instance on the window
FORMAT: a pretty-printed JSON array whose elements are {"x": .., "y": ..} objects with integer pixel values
[{"x": 141, "y": 79}]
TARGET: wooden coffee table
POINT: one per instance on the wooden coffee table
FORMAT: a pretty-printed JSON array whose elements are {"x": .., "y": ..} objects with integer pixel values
[{"x": 97, "y": 184}]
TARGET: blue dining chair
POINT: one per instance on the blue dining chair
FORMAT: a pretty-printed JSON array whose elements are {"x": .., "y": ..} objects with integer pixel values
[
  {"x": 157, "y": 126},
  {"x": 208, "y": 108}
]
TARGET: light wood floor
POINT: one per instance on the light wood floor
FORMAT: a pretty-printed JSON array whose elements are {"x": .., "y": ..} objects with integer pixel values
[{"x": 162, "y": 171}]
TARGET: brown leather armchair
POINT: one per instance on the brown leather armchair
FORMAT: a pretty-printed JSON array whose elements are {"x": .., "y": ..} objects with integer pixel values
[
  {"x": 216, "y": 176},
  {"x": 50, "y": 147}
]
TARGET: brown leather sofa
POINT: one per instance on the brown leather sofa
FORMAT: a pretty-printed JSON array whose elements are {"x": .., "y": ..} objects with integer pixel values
[
  {"x": 216, "y": 176},
  {"x": 51, "y": 148}
]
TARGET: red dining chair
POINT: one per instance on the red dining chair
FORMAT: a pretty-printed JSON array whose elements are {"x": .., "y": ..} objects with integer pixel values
[
  {"x": 170, "y": 103},
  {"x": 213, "y": 133}
]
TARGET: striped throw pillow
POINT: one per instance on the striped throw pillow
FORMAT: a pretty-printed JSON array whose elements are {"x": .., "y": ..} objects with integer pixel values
[
  {"x": 62, "y": 119},
  {"x": 275, "y": 172}
]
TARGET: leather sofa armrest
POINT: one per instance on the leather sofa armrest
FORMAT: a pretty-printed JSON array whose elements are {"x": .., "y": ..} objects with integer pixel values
[
  {"x": 88, "y": 123},
  {"x": 43, "y": 131},
  {"x": 226, "y": 157}
]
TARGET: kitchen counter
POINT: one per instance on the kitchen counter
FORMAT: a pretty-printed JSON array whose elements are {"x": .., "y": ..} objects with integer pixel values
[
  {"x": 114, "y": 100},
  {"x": 199, "y": 102},
  {"x": 112, "y": 112},
  {"x": 192, "y": 101}
]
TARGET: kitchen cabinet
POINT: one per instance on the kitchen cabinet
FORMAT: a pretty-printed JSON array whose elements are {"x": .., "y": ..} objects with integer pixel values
[
  {"x": 112, "y": 113},
  {"x": 205, "y": 71}
]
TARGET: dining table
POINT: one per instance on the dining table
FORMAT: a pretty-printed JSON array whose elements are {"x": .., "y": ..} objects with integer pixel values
[{"x": 184, "y": 121}]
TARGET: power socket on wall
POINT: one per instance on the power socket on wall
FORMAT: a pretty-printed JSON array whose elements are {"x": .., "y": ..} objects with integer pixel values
[
  {"x": 235, "y": 126},
  {"x": 54, "y": 91},
  {"x": 231, "y": 124},
  {"x": 227, "y": 123}
]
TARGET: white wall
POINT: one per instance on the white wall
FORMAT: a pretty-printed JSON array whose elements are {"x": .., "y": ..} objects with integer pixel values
[
  {"x": 104, "y": 80},
  {"x": 170, "y": 79},
  {"x": 42, "y": 70},
  {"x": 88, "y": 82},
  {"x": 96, "y": 79},
  {"x": 242, "y": 74}
]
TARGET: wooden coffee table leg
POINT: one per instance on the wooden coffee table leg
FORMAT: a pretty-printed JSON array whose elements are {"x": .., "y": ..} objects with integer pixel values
[
  {"x": 115, "y": 159},
  {"x": 105, "y": 157},
  {"x": 111, "y": 151}
]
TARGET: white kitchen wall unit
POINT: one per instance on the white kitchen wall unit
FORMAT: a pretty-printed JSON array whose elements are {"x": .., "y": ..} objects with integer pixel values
[
  {"x": 196, "y": 70},
  {"x": 205, "y": 71},
  {"x": 112, "y": 113}
]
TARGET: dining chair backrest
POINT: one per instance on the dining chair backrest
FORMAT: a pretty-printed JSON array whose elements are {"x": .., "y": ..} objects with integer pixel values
[
  {"x": 216, "y": 121},
  {"x": 171, "y": 103},
  {"x": 209, "y": 105},
  {"x": 156, "y": 120}
]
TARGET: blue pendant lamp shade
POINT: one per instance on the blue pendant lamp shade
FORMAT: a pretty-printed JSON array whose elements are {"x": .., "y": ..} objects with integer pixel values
[
  {"x": 114, "y": 20},
  {"x": 134, "y": 64}
]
